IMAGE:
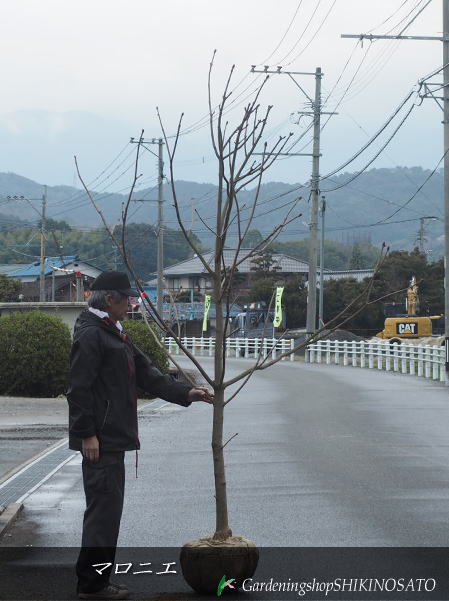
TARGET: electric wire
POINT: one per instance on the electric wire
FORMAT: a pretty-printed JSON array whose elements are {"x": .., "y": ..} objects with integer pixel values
[
  {"x": 371, "y": 161},
  {"x": 105, "y": 169},
  {"x": 399, "y": 23},
  {"x": 284, "y": 58},
  {"x": 431, "y": 174},
  {"x": 390, "y": 17},
  {"x": 375, "y": 136},
  {"x": 414, "y": 17},
  {"x": 405, "y": 173},
  {"x": 314, "y": 35},
  {"x": 265, "y": 61}
]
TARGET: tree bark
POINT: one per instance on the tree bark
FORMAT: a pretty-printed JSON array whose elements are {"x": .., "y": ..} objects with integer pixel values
[{"x": 222, "y": 530}]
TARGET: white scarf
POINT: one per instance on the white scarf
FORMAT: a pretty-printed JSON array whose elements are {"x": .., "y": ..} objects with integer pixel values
[{"x": 103, "y": 314}]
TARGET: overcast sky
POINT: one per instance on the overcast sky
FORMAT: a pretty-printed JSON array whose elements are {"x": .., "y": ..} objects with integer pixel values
[{"x": 81, "y": 77}]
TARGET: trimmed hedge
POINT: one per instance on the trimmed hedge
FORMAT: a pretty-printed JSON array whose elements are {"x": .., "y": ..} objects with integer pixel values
[
  {"x": 141, "y": 337},
  {"x": 34, "y": 355}
]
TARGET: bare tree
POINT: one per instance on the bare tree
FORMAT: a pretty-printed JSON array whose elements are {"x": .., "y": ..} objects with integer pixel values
[{"x": 243, "y": 157}]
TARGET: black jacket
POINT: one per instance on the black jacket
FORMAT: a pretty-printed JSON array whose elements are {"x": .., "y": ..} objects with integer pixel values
[{"x": 105, "y": 371}]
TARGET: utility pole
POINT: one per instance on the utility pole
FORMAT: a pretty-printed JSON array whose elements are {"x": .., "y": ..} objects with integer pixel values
[
  {"x": 446, "y": 175},
  {"x": 43, "y": 216},
  {"x": 445, "y": 97},
  {"x": 314, "y": 190},
  {"x": 321, "y": 301},
  {"x": 160, "y": 220},
  {"x": 420, "y": 239},
  {"x": 316, "y": 113},
  {"x": 42, "y": 274},
  {"x": 160, "y": 229}
]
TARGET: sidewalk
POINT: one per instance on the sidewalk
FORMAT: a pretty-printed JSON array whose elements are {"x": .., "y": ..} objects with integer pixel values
[{"x": 28, "y": 426}]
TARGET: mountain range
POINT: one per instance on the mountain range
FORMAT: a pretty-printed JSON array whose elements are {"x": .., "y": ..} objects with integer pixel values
[{"x": 379, "y": 205}]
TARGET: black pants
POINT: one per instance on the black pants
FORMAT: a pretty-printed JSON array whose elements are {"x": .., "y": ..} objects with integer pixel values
[{"x": 104, "y": 487}]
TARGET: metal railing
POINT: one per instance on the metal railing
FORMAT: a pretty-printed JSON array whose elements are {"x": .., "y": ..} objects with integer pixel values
[
  {"x": 235, "y": 347},
  {"x": 424, "y": 361}
]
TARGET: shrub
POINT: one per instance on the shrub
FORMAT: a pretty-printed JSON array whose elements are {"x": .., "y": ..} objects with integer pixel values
[
  {"x": 9, "y": 289},
  {"x": 141, "y": 337},
  {"x": 34, "y": 355}
]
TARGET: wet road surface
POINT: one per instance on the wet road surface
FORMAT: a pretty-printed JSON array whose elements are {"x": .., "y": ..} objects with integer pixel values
[{"x": 325, "y": 456}]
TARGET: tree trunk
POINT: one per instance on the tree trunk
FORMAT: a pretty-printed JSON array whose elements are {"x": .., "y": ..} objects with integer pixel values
[{"x": 222, "y": 530}]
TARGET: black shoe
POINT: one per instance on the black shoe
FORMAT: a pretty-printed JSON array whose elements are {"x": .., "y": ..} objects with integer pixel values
[
  {"x": 109, "y": 592},
  {"x": 122, "y": 587}
]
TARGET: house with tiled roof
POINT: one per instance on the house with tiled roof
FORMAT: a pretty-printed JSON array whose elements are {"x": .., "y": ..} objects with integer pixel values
[{"x": 191, "y": 274}]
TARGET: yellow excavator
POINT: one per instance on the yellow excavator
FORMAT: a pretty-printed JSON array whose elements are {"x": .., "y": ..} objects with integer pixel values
[{"x": 411, "y": 328}]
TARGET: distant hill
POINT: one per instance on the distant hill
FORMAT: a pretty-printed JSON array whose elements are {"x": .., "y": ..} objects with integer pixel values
[{"x": 372, "y": 198}]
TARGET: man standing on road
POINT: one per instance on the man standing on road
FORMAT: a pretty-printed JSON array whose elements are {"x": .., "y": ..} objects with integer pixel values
[{"x": 105, "y": 371}]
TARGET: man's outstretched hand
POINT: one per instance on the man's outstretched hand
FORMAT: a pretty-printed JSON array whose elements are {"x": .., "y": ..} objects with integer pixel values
[{"x": 201, "y": 394}]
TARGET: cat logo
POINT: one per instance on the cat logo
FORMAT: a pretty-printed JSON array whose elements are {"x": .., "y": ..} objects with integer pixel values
[{"x": 407, "y": 328}]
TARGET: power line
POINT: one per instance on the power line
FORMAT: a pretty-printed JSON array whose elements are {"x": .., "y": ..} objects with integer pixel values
[
  {"x": 371, "y": 161},
  {"x": 375, "y": 136},
  {"x": 314, "y": 35},
  {"x": 265, "y": 61},
  {"x": 419, "y": 11},
  {"x": 390, "y": 17},
  {"x": 284, "y": 58},
  {"x": 395, "y": 163},
  {"x": 76, "y": 194},
  {"x": 432, "y": 173}
]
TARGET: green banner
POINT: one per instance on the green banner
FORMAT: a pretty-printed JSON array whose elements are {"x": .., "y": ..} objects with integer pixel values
[
  {"x": 206, "y": 311},
  {"x": 278, "y": 307}
]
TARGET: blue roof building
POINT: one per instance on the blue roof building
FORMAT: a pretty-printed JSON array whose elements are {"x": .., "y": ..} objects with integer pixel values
[{"x": 59, "y": 265}]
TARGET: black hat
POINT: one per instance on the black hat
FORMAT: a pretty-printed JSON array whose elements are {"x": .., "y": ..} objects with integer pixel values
[{"x": 114, "y": 280}]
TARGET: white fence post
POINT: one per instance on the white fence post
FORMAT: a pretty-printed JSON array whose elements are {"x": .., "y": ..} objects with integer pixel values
[
  {"x": 312, "y": 353},
  {"x": 354, "y": 353},
  {"x": 328, "y": 352},
  {"x": 292, "y": 346},
  {"x": 404, "y": 358},
  {"x": 337, "y": 352},
  {"x": 442, "y": 350},
  {"x": 420, "y": 361},
  {"x": 265, "y": 347},
  {"x": 387, "y": 357},
  {"x": 412, "y": 359},
  {"x": 428, "y": 360},
  {"x": 378, "y": 348},
  {"x": 395, "y": 348},
  {"x": 362, "y": 354},
  {"x": 435, "y": 363},
  {"x": 318, "y": 351},
  {"x": 370, "y": 355}
]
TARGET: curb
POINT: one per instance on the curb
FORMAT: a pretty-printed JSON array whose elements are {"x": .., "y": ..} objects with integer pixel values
[{"x": 8, "y": 516}]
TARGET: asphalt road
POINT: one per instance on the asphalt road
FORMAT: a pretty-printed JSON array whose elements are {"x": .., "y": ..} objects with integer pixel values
[{"x": 325, "y": 456}]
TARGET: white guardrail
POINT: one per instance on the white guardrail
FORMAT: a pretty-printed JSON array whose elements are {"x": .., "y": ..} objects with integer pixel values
[
  {"x": 426, "y": 361},
  {"x": 235, "y": 347}
]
